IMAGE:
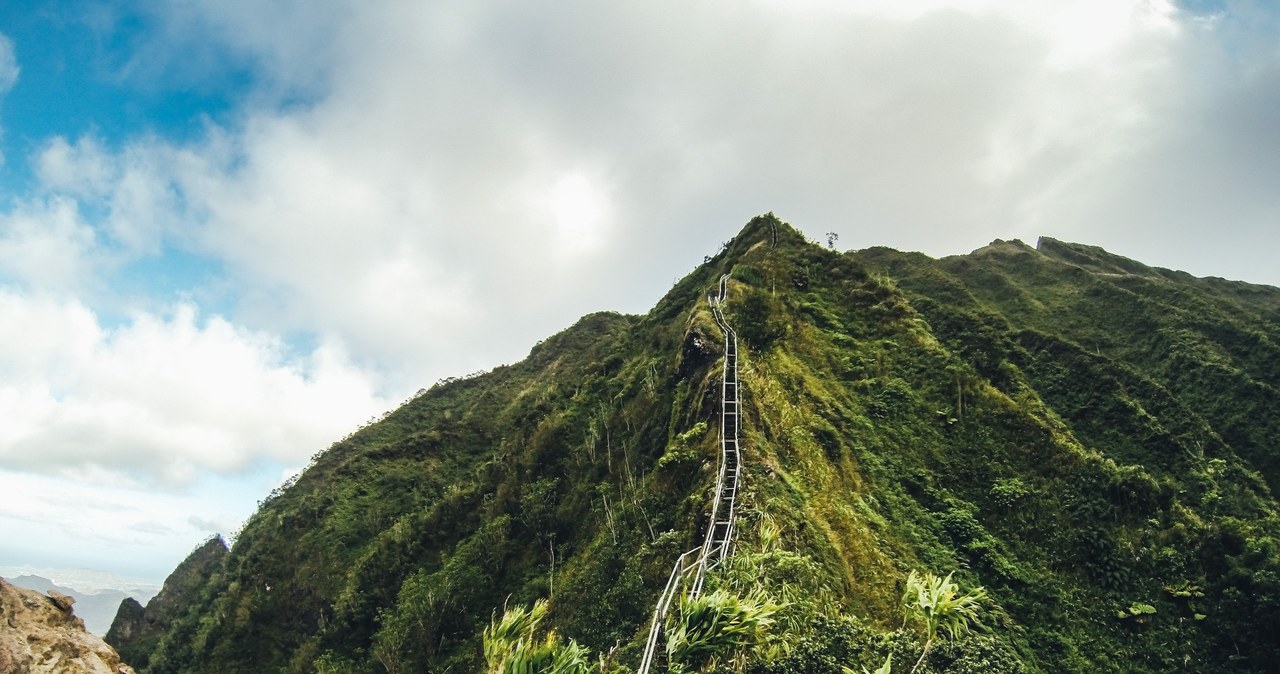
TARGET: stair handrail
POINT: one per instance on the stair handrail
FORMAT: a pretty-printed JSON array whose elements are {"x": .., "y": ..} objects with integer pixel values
[
  {"x": 731, "y": 348},
  {"x": 664, "y": 604},
  {"x": 704, "y": 552},
  {"x": 730, "y": 354}
]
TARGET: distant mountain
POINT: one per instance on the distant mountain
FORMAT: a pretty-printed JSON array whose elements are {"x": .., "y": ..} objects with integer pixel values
[
  {"x": 1092, "y": 441},
  {"x": 97, "y": 609},
  {"x": 89, "y": 581}
]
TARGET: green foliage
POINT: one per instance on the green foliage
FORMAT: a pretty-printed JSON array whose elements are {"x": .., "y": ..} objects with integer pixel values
[
  {"x": 1137, "y": 610},
  {"x": 936, "y": 606},
  {"x": 1080, "y": 435},
  {"x": 717, "y": 627},
  {"x": 683, "y": 453},
  {"x": 758, "y": 319},
  {"x": 1008, "y": 493},
  {"x": 432, "y": 609},
  {"x": 885, "y": 668},
  {"x": 512, "y": 647}
]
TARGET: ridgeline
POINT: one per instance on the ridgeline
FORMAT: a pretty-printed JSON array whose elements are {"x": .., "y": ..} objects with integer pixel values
[{"x": 1083, "y": 447}]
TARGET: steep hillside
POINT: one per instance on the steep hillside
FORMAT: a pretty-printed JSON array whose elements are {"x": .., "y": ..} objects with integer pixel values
[
  {"x": 1089, "y": 439},
  {"x": 136, "y": 630}
]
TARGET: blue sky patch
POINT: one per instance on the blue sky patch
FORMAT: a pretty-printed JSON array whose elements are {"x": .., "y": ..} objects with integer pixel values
[{"x": 93, "y": 69}]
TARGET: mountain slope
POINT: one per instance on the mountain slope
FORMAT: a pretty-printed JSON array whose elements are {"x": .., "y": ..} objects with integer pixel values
[
  {"x": 136, "y": 630},
  {"x": 1088, "y": 438}
]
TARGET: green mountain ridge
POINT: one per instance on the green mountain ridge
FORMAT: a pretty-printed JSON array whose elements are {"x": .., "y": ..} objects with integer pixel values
[
  {"x": 1090, "y": 439},
  {"x": 136, "y": 629}
]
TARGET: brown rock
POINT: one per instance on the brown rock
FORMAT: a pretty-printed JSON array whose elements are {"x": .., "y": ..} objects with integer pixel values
[
  {"x": 63, "y": 601},
  {"x": 44, "y": 636}
]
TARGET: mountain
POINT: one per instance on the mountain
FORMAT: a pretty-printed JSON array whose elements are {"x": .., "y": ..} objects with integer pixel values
[
  {"x": 97, "y": 609},
  {"x": 135, "y": 630},
  {"x": 1024, "y": 459},
  {"x": 42, "y": 634}
]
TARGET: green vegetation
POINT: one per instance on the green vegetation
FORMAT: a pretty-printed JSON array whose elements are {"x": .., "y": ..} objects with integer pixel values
[
  {"x": 936, "y": 606},
  {"x": 715, "y": 627},
  {"x": 512, "y": 647},
  {"x": 1083, "y": 445}
]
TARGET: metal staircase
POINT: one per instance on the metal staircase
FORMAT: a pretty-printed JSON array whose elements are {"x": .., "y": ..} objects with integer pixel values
[
  {"x": 719, "y": 538},
  {"x": 715, "y": 546}
]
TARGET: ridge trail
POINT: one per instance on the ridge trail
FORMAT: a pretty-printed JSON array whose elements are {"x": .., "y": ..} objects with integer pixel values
[{"x": 719, "y": 538}]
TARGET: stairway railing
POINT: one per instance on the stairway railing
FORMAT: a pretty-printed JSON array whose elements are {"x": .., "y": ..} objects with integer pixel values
[
  {"x": 719, "y": 538},
  {"x": 669, "y": 593},
  {"x": 715, "y": 546}
]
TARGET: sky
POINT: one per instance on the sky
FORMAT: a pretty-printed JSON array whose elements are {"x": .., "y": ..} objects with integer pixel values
[{"x": 233, "y": 231}]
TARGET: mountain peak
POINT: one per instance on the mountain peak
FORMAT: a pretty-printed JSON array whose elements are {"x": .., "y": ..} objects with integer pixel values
[
  {"x": 1089, "y": 448},
  {"x": 136, "y": 630},
  {"x": 1091, "y": 258}
]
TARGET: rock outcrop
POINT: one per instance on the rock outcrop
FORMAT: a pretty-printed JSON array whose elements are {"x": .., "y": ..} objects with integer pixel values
[
  {"x": 40, "y": 634},
  {"x": 96, "y": 607},
  {"x": 129, "y": 623}
]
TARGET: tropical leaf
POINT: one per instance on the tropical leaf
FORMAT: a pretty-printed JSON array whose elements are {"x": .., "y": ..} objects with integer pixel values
[
  {"x": 937, "y": 606},
  {"x": 717, "y": 626},
  {"x": 510, "y": 646}
]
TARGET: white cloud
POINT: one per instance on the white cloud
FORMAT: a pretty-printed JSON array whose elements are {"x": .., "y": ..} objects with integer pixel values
[
  {"x": 9, "y": 69},
  {"x": 163, "y": 398},
  {"x": 580, "y": 213},
  {"x": 46, "y": 243},
  {"x": 1079, "y": 33},
  {"x": 83, "y": 169},
  {"x": 140, "y": 188},
  {"x": 456, "y": 175},
  {"x": 464, "y": 181}
]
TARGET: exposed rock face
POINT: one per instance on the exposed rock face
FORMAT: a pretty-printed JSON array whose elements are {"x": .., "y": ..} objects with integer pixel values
[
  {"x": 698, "y": 350},
  {"x": 96, "y": 608},
  {"x": 41, "y": 635},
  {"x": 135, "y": 630},
  {"x": 129, "y": 622}
]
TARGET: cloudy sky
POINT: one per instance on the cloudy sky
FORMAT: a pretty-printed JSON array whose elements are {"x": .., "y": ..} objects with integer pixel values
[{"x": 231, "y": 231}]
